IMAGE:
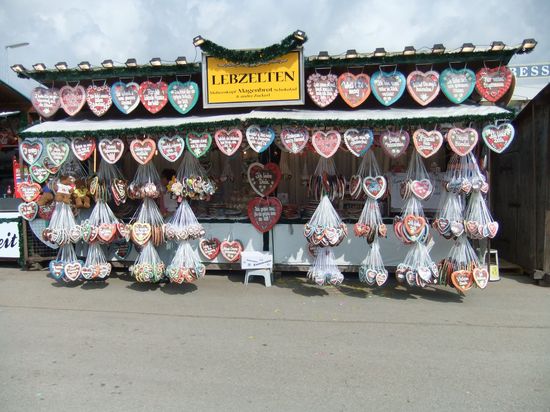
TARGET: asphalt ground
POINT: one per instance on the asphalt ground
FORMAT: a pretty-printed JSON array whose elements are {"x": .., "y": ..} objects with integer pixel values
[{"x": 220, "y": 346}]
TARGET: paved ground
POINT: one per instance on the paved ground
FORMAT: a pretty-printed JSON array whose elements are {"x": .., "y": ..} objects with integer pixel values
[{"x": 218, "y": 345}]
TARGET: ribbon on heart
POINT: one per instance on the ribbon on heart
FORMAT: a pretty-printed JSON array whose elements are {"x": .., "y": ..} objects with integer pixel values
[
  {"x": 394, "y": 143},
  {"x": 198, "y": 143},
  {"x": 39, "y": 173},
  {"x": 326, "y": 143},
  {"x": 481, "y": 277},
  {"x": 228, "y": 141},
  {"x": 72, "y": 99},
  {"x": 427, "y": 143},
  {"x": 231, "y": 250},
  {"x": 143, "y": 150},
  {"x": 153, "y": 96},
  {"x": 99, "y": 99},
  {"x": 125, "y": 96},
  {"x": 354, "y": 89},
  {"x": 111, "y": 149},
  {"x": 29, "y": 191},
  {"x": 358, "y": 141},
  {"x": 492, "y": 84},
  {"x": 259, "y": 138},
  {"x": 31, "y": 150},
  {"x": 264, "y": 179},
  {"x": 83, "y": 147},
  {"x": 498, "y": 138},
  {"x": 45, "y": 101},
  {"x": 210, "y": 248},
  {"x": 457, "y": 85},
  {"x": 462, "y": 280},
  {"x": 294, "y": 139},
  {"x": 183, "y": 96},
  {"x": 462, "y": 141},
  {"x": 264, "y": 213},
  {"x": 28, "y": 211},
  {"x": 423, "y": 87},
  {"x": 322, "y": 89},
  {"x": 171, "y": 148},
  {"x": 388, "y": 87},
  {"x": 375, "y": 186}
]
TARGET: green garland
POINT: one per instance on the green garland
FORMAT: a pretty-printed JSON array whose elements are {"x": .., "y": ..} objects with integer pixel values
[
  {"x": 266, "y": 54},
  {"x": 320, "y": 124}
]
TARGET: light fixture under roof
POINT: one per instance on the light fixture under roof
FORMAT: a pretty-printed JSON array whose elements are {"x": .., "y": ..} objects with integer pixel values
[
  {"x": 351, "y": 54},
  {"x": 181, "y": 60},
  {"x": 497, "y": 46},
  {"x": 131, "y": 63},
  {"x": 39, "y": 67},
  {"x": 61, "y": 66},
  {"x": 379, "y": 52},
  {"x": 198, "y": 41},
  {"x": 155, "y": 61},
  {"x": 107, "y": 64},
  {"x": 18, "y": 68},
  {"x": 409, "y": 51},
  {"x": 438, "y": 48},
  {"x": 528, "y": 45},
  {"x": 300, "y": 35},
  {"x": 323, "y": 55},
  {"x": 84, "y": 65},
  {"x": 467, "y": 48}
]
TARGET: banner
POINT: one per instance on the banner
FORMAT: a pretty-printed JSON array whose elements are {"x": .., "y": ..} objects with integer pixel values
[{"x": 277, "y": 82}]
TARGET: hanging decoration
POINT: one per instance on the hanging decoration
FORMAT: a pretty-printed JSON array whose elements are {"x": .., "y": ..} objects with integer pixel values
[
  {"x": 46, "y": 101},
  {"x": 183, "y": 96},
  {"x": 153, "y": 96},
  {"x": 264, "y": 179},
  {"x": 458, "y": 268},
  {"x": 427, "y": 143},
  {"x": 99, "y": 99},
  {"x": 198, "y": 143},
  {"x": 423, "y": 86},
  {"x": 492, "y": 84},
  {"x": 83, "y": 147},
  {"x": 325, "y": 181},
  {"x": 498, "y": 138},
  {"x": 358, "y": 141},
  {"x": 72, "y": 99},
  {"x": 143, "y": 150},
  {"x": 326, "y": 144},
  {"x": 259, "y": 138},
  {"x": 388, "y": 87},
  {"x": 231, "y": 250},
  {"x": 462, "y": 141},
  {"x": 31, "y": 150},
  {"x": 294, "y": 139},
  {"x": 478, "y": 222},
  {"x": 354, "y": 89},
  {"x": 111, "y": 150},
  {"x": 125, "y": 96},
  {"x": 210, "y": 248},
  {"x": 39, "y": 173},
  {"x": 57, "y": 152},
  {"x": 322, "y": 89},
  {"x": 394, "y": 143},
  {"x": 457, "y": 85},
  {"x": 418, "y": 268},
  {"x": 449, "y": 219},
  {"x": 264, "y": 213},
  {"x": 228, "y": 141},
  {"x": 191, "y": 181},
  {"x": 171, "y": 148}
]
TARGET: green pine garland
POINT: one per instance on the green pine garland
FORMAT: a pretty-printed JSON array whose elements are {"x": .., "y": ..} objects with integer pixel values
[{"x": 255, "y": 56}]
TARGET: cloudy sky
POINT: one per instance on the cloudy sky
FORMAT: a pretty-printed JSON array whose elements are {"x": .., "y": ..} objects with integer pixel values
[{"x": 72, "y": 31}]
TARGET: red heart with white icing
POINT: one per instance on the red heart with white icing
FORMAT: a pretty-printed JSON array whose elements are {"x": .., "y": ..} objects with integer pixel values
[
  {"x": 28, "y": 210},
  {"x": 492, "y": 84},
  {"x": 294, "y": 139},
  {"x": 427, "y": 143},
  {"x": 99, "y": 99},
  {"x": 423, "y": 87},
  {"x": 143, "y": 150},
  {"x": 264, "y": 179},
  {"x": 375, "y": 186},
  {"x": 231, "y": 250},
  {"x": 422, "y": 189},
  {"x": 210, "y": 248},
  {"x": 228, "y": 141},
  {"x": 45, "y": 101},
  {"x": 171, "y": 148},
  {"x": 394, "y": 143},
  {"x": 72, "y": 99},
  {"x": 498, "y": 138},
  {"x": 29, "y": 191},
  {"x": 326, "y": 143},
  {"x": 153, "y": 96},
  {"x": 83, "y": 147},
  {"x": 354, "y": 89},
  {"x": 111, "y": 149},
  {"x": 264, "y": 213},
  {"x": 462, "y": 141},
  {"x": 322, "y": 89}
]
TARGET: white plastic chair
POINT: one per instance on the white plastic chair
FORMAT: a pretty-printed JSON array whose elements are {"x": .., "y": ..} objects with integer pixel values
[{"x": 265, "y": 273}]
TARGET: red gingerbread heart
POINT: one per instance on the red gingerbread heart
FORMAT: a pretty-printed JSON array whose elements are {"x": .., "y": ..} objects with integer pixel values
[
  {"x": 29, "y": 191},
  {"x": 231, "y": 250},
  {"x": 354, "y": 89},
  {"x": 228, "y": 141},
  {"x": 427, "y": 143},
  {"x": 423, "y": 87},
  {"x": 153, "y": 96},
  {"x": 492, "y": 84},
  {"x": 83, "y": 147},
  {"x": 143, "y": 150},
  {"x": 264, "y": 213},
  {"x": 462, "y": 141},
  {"x": 72, "y": 99},
  {"x": 264, "y": 179},
  {"x": 326, "y": 143},
  {"x": 210, "y": 248},
  {"x": 462, "y": 280},
  {"x": 394, "y": 143},
  {"x": 99, "y": 99}
]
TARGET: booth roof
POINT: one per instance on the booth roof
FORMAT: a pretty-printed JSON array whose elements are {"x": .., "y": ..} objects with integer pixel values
[{"x": 313, "y": 118}]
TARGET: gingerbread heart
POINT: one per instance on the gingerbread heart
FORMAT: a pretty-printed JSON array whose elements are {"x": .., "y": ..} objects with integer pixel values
[
  {"x": 125, "y": 96},
  {"x": 498, "y": 138},
  {"x": 388, "y": 87},
  {"x": 481, "y": 277},
  {"x": 28, "y": 211},
  {"x": 111, "y": 150},
  {"x": 457, "y": 85},
  {"x": 56, "y": 269},
  {"x": 57, "y": 152},
  {"x": 210, "y": 248},
  {"x": 322, "y": 89},
  {"x": 171, "y": 148},
  {"x": 83, "y": 147},
  {"x": 259, "y": 138},
  {"x": 492, "y": 84},
  {"x": 462, "y": 280},
  {"x": 423, "y": 87},
  {"x": 228, "y": 141},
  {"x": 394, "y": 143},
  {"x": 29, "y": 191},
  {"x": 231, "y": 250},
  {"x": 99, "y": 99},
  {"x": 153, "y": 96},
  {"x": 264, "y": 179},
  {"x": 375, "y": 186},
  {"x": 31, "y": 150},
  {"x": 107, "y": 231},
  {"x": 72, "y": 99},
  {"x": 354, "y": 89},
  {"x": 264, "y": 213},
  {"x": 294, "y": 139},
  {"x": 422, "y": 189},
  {"x": 143, "y": 150},
  {"x": 427, "y": 143},
  {"x": 198, "y": 143},
  {"x": 141, "y": 233},
  {"x": 72, "y": 270},
  {"x": 414, "y": 225},
  {"x": 183, "y": 96},
  {"x": 358, "y": 141},
  {"x": 39, "y": 173},
  {"x": 326, "y": 143},
  {"x": 45, "y": 101},
  {"x": 462, "y": 141}
]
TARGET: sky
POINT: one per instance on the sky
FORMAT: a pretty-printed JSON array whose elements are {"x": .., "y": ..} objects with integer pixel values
[{"x": 74, "y": 31}]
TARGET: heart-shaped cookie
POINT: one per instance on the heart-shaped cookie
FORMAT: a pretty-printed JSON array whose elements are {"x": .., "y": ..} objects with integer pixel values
[
  {"x": 171, "y": 148},
  {"x": 28, "y": 211},
  {"x": 29, "y": 191},
  {"x": 141, "y": 233},
  {"x": 375, "y": 186},
  {"x": 56, "y": 269},
  {"x": 259, "y": 138},
  {"x": 72, "y": 270},
  {"x": 322, "y": 89},
  {"x": 83, "y": 147},
  {"x": 358, "y": 141},
  {"x": 99, "y": 99},
  {"x": 39, "y": 173},
  {"x": 422, "y": 188},
  {"x": 31, "y": 150},
  {"x": 264, "y": 213},
  {"x": 45, "y": 101},
  {"x": 492, "y": 84},
  {"x": 423, "y": 87},
  {"x": 388, "y": 87},
  {"x": 125, "y": 96},
  {"x": 228, "y": 141},
  {"x": 294, "y": 139},
  {"x": 153, "y": 96},
  {"x": 111, "y": 150},
  {"x": 210, "y": 248},
  {"x": 72, "y": 99},
  {"x": 414, "y": 225},
  {"x": 394, "y": 143},
  {"x": 231, "y": 250},
  {"x": 462, "y": 280},
  {"x": 462, "y": 141},
  {"x": 457, "y": 85},
  {"x": 354, "y": 89},
  {"x": 264, "y": 179},
  {"x": 143, "y": 150},
  {"x": 481, "y": 277},
  {"x": 498, "y": 138},
  {"x": 427, "y": 143},
  {"x": 183, "y": 96},
  {"x": 106, "y": 232},
  {"x": 57, "y": 152},
  {"x": 198, "y": 143},
  {"x": 326, "y": 143}
]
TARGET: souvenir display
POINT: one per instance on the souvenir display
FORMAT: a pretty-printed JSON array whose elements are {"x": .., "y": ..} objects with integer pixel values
[
  {"x": 354, "y": 89},
  {"x": 417, "y": 182},
  {"x": 96, "y": 266},
  {"x": 388, "y": 87},
  {"x": 322, "y": 89},
  {"x": 423, "y": 87},
  {"x": 372, "y": 271},
  {"x": 492, "y": 84},
  {"x": 186, "y": 266},
  {"x": 417, "y": 268},
  {"x": 183, "y": 225},
  {"x": 478, "y": 222},
  {"x": 192, "y": 181},
  {"x": 325, "y": 181},
  {"x": 294, "y": 139},
  {"x": 498, "y": 138},
  {"x": 148, "y": 267},
  {"x": 66, "y": 267}
]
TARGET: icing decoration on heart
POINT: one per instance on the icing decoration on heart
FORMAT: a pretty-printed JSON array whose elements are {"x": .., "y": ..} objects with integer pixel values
[
  {"x": 72, "y": 270},
  {"x": 29, "y": 191},
  {"x": 231, "y": 250},
  {"x": 57, "y": 152},
  {"x": 75, "y": 233},
  {"x": 423, "y": 87},
  {"x": 28, "y": 210},
  {"x": 462, "y": 141},
  {"x": 45, "y": 101},
  {"x": 358, "y": 141},
  {"x": 198, "y": 143},
  {"x": 294, "y": 139},
  {"x": 153, "y": 96},
  {"x": 427, "y": 143},
  {"x": 228, "y": 141},
  {"x": 31, "y": 150},
  {"x": 111, "y": 149},
  {"x": 425, "y": 273},
  {"x": 259, "y": 138},
  {"x": 492, "y": 84},
  {"x": 141, "y": 233},
  {"x": 72, "y": 99},
  {"x": 322, "y": 89},
  {"x": 39, "y": 173},
  {"x": 171, "y": 148},
  {"x": 87, "y": 272},
  {"x": 99, "y": 99},
  {"x": 381, "y": 277},
  {"x": 183, "y": 96},
  {"x": 375, "y": 186},
  {"x": 498, "y": 138},
  {"x": 457, "y": 85},
  {"x": 125, "y": 96},
  {"x": 354, "y": 89},
  {"x": 492, "y": 229},
  {"x": 326, "y": 143},
  {"x": 124, "y": 230},
  {"x": 462, "y": 280},
  {"x": 264, "y": 213},
  {"x": 264, "y": 179},
  {"x": 422, "y": 189},
  {"x": 388, "y": 87},
  {"x": 414, "y": 225},
  {"x": 143, "y": 150},
  {"x": 46, "y": 211},
  {"x": 56, "y": 268},
  {"x": 83, "y": 147},
  {"x": 210, "y": 248},
  {"x": 48, "y": 164},
  {"x": 107, "y": 231},
  {"x": 394, "y": 143},
  {"x": 481, "y": 277}
]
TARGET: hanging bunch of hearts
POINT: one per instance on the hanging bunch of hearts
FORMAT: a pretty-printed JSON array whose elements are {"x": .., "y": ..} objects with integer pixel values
[
  {"x": 372, "y": 271},
  {"x": 367, "y": 181},
  {"x": 191, "y": 180},
  {"x": 449, "y": 219},
  {"x": 186, "y": 266},
  {"x": 478, "y": 222},
  {"x": 148, "y": 267},
  {"x": 326, "y": 181},
  {"x": 66, "y": 267},
  {"x": 464, "y": 176},
  {"x": 417, "y": 268},
  {"x": 461, "y": 268},
  {"x": 183, "y": 225}
]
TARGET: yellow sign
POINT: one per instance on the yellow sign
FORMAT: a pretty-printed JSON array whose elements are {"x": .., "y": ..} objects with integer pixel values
[{"x": 277, "y": 82}]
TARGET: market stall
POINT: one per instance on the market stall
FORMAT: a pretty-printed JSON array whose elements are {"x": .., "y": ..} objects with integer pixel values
[{"x": 359, "y": 163}]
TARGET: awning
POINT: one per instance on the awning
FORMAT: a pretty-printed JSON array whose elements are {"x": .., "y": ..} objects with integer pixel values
[
  {"x": 372, "y": 118},
  {"x": 8, "y": 114}
]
